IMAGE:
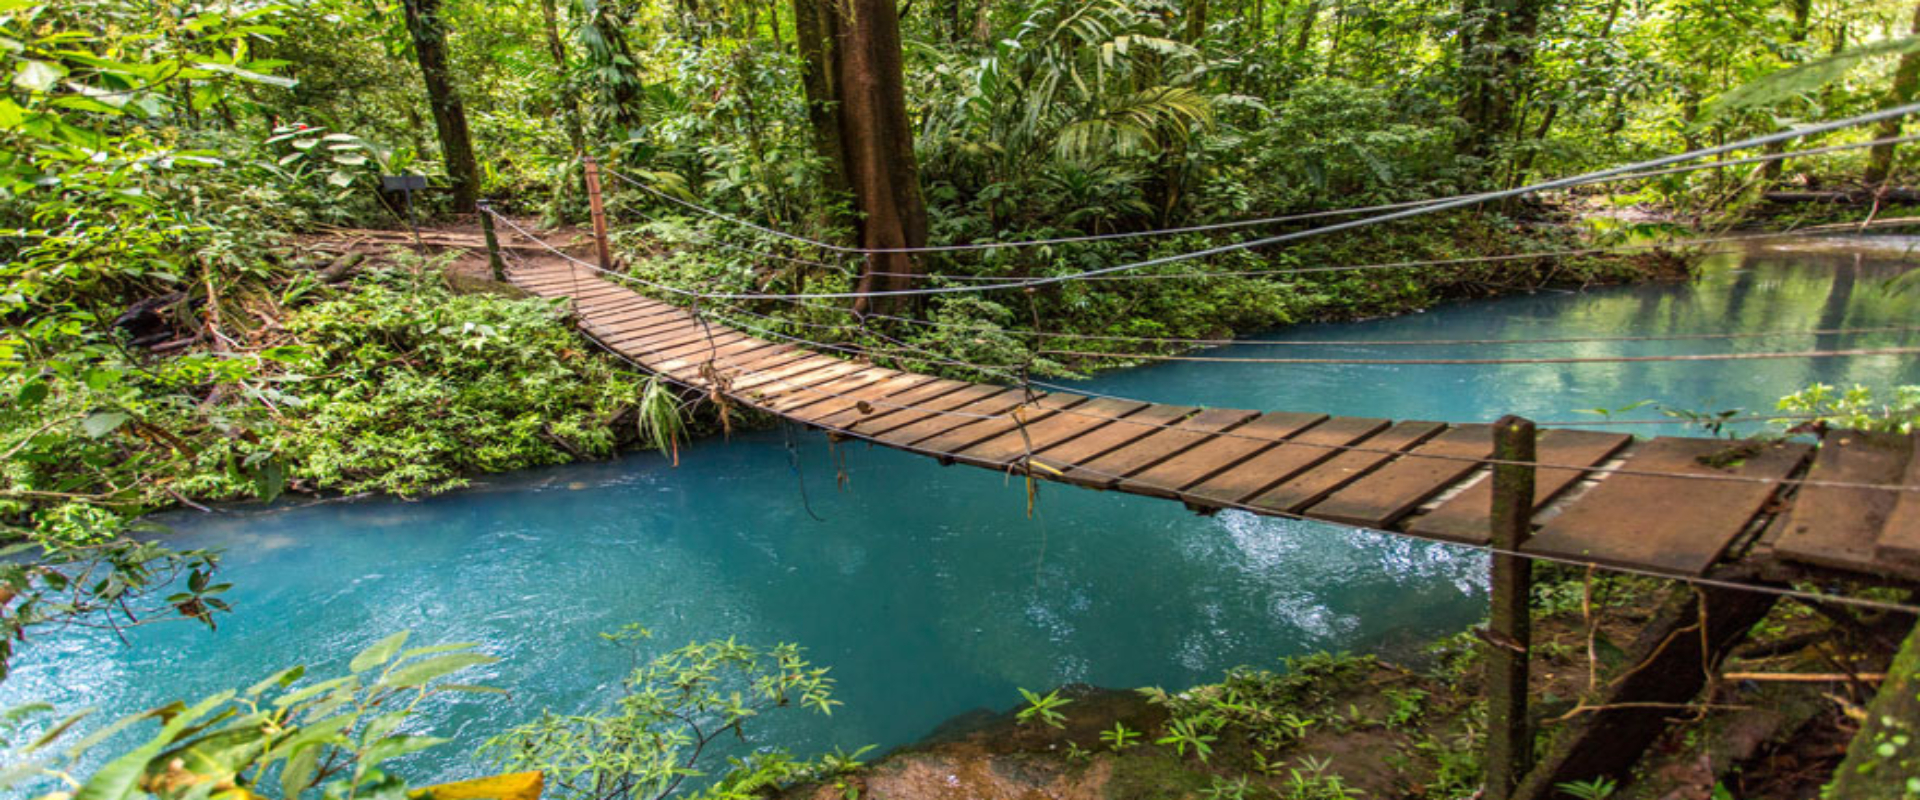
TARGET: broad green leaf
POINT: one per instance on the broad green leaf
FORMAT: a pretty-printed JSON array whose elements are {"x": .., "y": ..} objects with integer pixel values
[
  {"x": 247, "y": 75},
  {"x": 59, "y": 730},
  {"x": 120, "y": 778},
  {"x": 37, "y": 76},
  {"x": 299, "y": 772},
  {"x": 419, "y": 672},
  {"x": 397, "y": 746},
  {"x": 101, "y": 423},
  {"x": 378, "y": 653},
  {"x": 340, "y": 179},
  {"x": 282, "y": 678},
  {"x": 31, "y": 394},
  {"x": 1800, "y": 79}
]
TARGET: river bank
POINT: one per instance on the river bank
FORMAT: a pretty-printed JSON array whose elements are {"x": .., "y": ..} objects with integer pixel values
[{"x": 1331, "y": 726}]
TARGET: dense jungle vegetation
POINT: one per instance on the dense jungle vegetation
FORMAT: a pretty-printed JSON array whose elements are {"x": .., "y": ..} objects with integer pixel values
[{"x": 177, "y": 334}]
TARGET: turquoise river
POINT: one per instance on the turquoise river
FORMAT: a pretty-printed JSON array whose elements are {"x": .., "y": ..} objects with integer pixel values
[{"x": 929, "y": 589}]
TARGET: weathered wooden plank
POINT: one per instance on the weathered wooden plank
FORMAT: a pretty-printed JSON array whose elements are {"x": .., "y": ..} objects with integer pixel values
[
  {"x": 907, "y": 436},
  {"x": 947, "y": 409},
  {"x": 700, "y": 347},
  {"x": 852, "y": 400},
  {"x": 1056, "y": 460},
  {"x": 1028, "y": 414},
  {"x": 1268, "y": 469},
  {"x": 1308, "y": 487},
  {"x": 726, "y": 354},
  {"x": 761, "y": 361},
  {"x": 1463, "y": 517},
  {"x": 1210, "y": 458},
  {"x": 1899, "y": 542},
  {"x": 801, "y": 382},
  {"x": 824, "y": 392},
  {"x": 896, "y": 403},
  {"x": 1106, "y": 471},
  {"x": 1671, "y": 524},
  {"x": 1014, "y": 444},
  {"x": 1833, "y": 526},
  {"x": 1393, "y": 490},
  {"x": 627, "y": 324},
  {"x": 744, "y": 386}
]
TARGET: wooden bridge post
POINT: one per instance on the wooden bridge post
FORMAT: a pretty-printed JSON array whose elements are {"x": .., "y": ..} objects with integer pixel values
[
  {"x": 1509, "y": 734},
  {"x": 493, "y": 243},
  {"x": 599, "y": 214}
]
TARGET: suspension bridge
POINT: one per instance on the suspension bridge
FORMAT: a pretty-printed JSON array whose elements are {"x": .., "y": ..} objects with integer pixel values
[{"x": 1741, "y": 521}]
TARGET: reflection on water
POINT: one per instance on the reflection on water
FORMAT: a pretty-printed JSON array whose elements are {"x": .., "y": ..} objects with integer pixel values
[{"x": 930, "y": 590}]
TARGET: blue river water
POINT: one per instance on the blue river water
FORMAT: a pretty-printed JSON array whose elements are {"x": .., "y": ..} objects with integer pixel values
[{"x": 931, "y": 591}]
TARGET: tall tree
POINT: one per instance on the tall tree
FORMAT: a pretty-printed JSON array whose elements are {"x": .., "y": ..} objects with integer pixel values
[
  {"x": 1906, "y": 78},
  {"x": 856, "y": 102},
  {"x": 449, "y": 114},
  {"x": 1496, "y": 50}
]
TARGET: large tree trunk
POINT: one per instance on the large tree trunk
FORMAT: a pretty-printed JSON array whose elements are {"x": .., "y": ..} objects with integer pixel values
[
  {"x": 1906, "y": 77},
  {"x": 856, "y": 98},
  {"x": 1802, "y": 13},
  {"x": 1496, "y": 49},
  {"x": 449, "y": 114}
]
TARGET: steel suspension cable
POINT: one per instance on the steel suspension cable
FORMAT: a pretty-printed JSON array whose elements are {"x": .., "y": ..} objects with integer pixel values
[{"x": 1303, "y": 216}]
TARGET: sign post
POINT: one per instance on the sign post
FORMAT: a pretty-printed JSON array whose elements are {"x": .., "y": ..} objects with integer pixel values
[{"x": 407, "y": 185}]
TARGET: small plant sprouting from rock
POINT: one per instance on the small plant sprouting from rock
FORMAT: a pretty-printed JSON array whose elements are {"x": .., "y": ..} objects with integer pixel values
[{"x": 1045, "y": 708}]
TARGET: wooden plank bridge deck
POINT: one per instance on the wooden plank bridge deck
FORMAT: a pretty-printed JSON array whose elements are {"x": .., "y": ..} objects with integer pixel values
[{"x": 1419, "y": 478}]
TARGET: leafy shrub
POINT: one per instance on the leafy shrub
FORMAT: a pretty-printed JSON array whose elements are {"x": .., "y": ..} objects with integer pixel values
[{"x": 413, "y": 386}]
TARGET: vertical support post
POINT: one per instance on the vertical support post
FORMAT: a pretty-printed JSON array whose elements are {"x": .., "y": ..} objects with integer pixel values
[
  {"x": 599, "y": 214},
  {"x": 1509, "y": 734},
  {"x": 493, "y": 242}
]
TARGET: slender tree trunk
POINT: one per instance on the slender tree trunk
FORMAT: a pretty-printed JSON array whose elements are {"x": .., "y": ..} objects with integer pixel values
[
  {"x": 449, "y": 114},
  {"x": 1906, "y": 77},
  {"x": 569, "y": 104},
  {"x": 1196, "y": 21},
  {"x": 1303, "y": 40},
  {"x": 856, "y": 98},
  {"x": 1802, "y": 11},
  {"x": 983, "y": 22},
  {"x": 1496, "y": 52}
]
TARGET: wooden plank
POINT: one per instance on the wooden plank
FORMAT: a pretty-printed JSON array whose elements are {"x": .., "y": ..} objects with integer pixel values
[
  {"x": 762, "y": 360},
  {"x": 895, "y": 403},
  {"x": 798, "y": 382},
  {"x": 647, "y": 337},
  {"x": 1326, "y": 477},
  {"x": 639, "y": 317},
  {"x": 1463, "y": 517},
  {"x": 700, "y": 347},
  {"x": 1899, "y": 541},
  {"x": 1118, "y": 433},
  {"x": 1839, "y": 527},
  {"x": 1029, "y": 415},
  {"x": 1270, "y": 468},
  {"x": 907, "y": 436},
  {"x": 665, "y": 339},
  {"x": 934, "y": 410},
  {"x": 1218, "y": 454},
  {"x": 829, "y": 391},
  {"x": 626, "y": 325},
  {"x": 743, "y": 386},
  {"x": 1670, "y": 524},
  {"x": 1011, "y": 446},
  {"x": 1381, "y": 497},
  {"x": 721, "y": 357},
  {"x": 1108, "y": 470},
  {"x": 869, "y": 395}
]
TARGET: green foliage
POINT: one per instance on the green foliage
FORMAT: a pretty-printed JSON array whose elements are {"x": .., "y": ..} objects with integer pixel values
[
  {"x": 1596, "y": 789},
  {"x": 279, "y": 736},
  {"x": 651, "y": 736},
  {"x": 1120, "y": 737},
  {"x": 406, "y": 387},
  {"x": 1855, "y": 408},
  {"x": 1044, "y": 709}
]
